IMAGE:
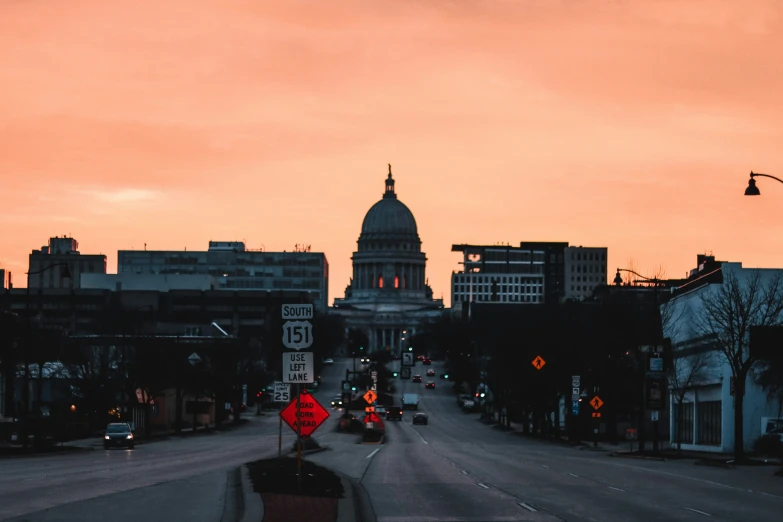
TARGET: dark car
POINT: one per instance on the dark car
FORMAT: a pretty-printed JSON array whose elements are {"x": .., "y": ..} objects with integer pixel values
[
  {"x": 417, "y": 378},
  {"x": 350, "y": 423},
  {"x": 430, "y": 384},
  {"x": 420, "y": 418},
  {"x": 430, "y": 372},
  {"x": 118, "y": 434},
  {"x": 394, "y": 413},
  {"x": 426, "y": 360}
]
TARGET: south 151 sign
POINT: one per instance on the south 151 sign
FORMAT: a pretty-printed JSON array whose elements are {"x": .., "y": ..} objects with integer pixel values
[{"x": 297, "y": 329}]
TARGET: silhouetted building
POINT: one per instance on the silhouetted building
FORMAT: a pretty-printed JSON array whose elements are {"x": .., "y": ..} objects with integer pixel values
[
  {"x": 585, "y": 269},
  {"x": 46, "y": 265},
  {"x": 235, "y": 267},
  {"x": 388, "y": 297}
]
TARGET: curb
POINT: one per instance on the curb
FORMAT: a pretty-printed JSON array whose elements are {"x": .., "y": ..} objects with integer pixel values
[
  {"x": 252, "y": 508},
  {"x": 640, "y": 457},
  {"x": 356, "y": 505},
  {"x": 310, "y": 452}
]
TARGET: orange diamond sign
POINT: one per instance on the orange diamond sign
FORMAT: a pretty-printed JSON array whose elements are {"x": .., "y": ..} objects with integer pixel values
[
  {"x": 539, "y": 362},
  {"x": 370, "y": 396},
  {"x": 596, "y": 403},
  {"x": 311, "y": 414}
]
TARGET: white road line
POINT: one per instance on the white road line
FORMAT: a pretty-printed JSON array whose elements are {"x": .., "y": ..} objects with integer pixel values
[
  {"x": 371, "y": 455},
  {"x": 419, "y": 434},
  {"x": 479, "y": 484},
  {"x": 574, "y": 475},
  {"x": 614, "y": 488},
  {"x": 699, "y": 512},
  {"x": 463, "y": 472},
  {"x": 544, "y": 466},
  {"x": 526, "y": 506}
]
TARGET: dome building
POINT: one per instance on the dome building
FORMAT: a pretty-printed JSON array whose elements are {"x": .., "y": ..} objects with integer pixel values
[{"x": 388, "y": 296}]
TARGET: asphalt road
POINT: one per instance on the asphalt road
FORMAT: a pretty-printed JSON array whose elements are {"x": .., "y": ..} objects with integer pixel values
[
  {"x": 177, "y": 479},
  {"x": 458, "y": 469}
]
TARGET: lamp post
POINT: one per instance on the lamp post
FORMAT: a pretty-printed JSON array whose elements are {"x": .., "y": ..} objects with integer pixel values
[
  {"x": 752, "y": 189},
  {"x": 65, "y": 273},
  {"x": 656, "y": 284}
]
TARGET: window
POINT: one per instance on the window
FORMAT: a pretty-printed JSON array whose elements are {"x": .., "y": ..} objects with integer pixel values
[
  {"x": 380, "y": 281},
  {"x": 685, "y": 434},
  {"x": 396, "y": 281},
  {"x": 708, "y": 430}
]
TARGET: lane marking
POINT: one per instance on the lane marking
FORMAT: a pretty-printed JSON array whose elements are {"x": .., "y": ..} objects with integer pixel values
[
  {"x": 479, "y": 484},
  {"x": 371, "y": 455},
  {"x": 544, "y": 466},
  {"x": 574, "y": 475},
  {"x": 526, "y": 506},
  {"x": 699, "y": 512},
  {"x": 463, "y": 472},
  {"x": 616, "y": 489},
  {"x": 419, "y": 434}
]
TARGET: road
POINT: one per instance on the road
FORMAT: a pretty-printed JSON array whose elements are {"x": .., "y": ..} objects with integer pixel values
[
  {"x": 178, "y": 479},
  {"x": 457, "y": 469}
]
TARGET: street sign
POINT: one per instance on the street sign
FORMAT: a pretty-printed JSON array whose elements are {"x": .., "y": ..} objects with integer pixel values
[
  {"x": 596, "y": 403},
  {"x": 282, "y": 392},
  {"x": 539, "y": 362},
  {"x": 369, "y": 409},
  {"x": 297, "y": 312},
  {"x": 576, "y": 382},
  {"x": 194, "y": 359},
  {"x": 370, "y": 396},
  {"x": 297, "y": 334},
  {"x": 575, "y": 392},
  {"x": 655, "y": 393},
  {"x": 405, "y": 373},
  {"x": 575, "y": 407},
  {"x": 407, "y": 359},
  {"x": 298, "y": 367},
  {"x": 311, "y": 414},
  {"x": 596, "y": 415}
]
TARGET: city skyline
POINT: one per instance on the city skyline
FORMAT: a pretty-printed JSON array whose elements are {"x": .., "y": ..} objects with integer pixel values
[{"x": 497, "y": 125}]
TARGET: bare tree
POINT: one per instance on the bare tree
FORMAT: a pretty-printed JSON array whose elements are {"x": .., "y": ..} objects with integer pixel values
[{"x": 728, "y": 314}]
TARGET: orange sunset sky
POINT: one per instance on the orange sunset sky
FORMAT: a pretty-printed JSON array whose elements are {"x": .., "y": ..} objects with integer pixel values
[{"x": 626, "y": 124}]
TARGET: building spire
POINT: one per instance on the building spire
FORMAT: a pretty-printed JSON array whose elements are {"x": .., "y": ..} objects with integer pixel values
[{"x": 390, "y": 186}]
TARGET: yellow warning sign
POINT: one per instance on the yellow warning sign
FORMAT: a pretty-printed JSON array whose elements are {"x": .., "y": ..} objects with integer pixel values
[
  {"x": 539, "y": 362},
  {"x": 370, "y": 396},
  {"x": 371, "y": 409},
  {"x": 596, "y": 402},
  {"x": 596, "y": 415}
]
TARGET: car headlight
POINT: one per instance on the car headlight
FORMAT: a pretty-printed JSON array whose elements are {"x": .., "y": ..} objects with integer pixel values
[
  {"x": 106, "y": 437},
  {"x": 130, "y": 436}
]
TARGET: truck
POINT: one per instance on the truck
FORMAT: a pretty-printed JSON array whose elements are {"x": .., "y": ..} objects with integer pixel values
[{"x": 410, "y": 401}]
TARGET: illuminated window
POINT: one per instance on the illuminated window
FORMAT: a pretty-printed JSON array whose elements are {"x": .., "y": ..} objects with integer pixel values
[
  {"x": 380, "y": 281},
  {"x": 396, "y": 281}
]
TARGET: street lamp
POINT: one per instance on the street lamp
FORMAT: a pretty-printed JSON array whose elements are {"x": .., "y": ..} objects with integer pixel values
[
  {"x": 656, "y": 283},
  {"x": 752, "y": 189},
  {"x": 65, "y": 272}
]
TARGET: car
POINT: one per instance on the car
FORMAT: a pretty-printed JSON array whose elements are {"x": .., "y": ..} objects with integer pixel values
[
  {"x": 430, "y": 373},
  {"x": 118, "y": 434},
  {"x": 364, "y": 360},
  {"x": 394, "y": 413},
  {"x": 417, "y": 378},
  {"x": 380, "y": 410},
  {"x": 430, "y": 384},
  {"x": 420, "y": 418},
  {"x": 426, "y": 360},
  {"x": 337, "y": 402}
]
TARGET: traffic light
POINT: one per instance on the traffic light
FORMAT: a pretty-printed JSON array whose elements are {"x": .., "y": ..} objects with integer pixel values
[
  {"x": 410, "y": 348},
  {"x": 395, "y": 374},
  {"x": 353, "y": 388},
  {"x": 446, "y": 376},
  {"x": 361, "y": 348}
]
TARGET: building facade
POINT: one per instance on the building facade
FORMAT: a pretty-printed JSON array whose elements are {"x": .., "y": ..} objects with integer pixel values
[
  {"x": 532, "y": 273},
  {"x": 702, "y": 388},
  {"x": 235, "y": 267},
  {"x": 584, "y": 270},
  {"x": 46, "y": 266},
  {"x": 388, "y": 296}
]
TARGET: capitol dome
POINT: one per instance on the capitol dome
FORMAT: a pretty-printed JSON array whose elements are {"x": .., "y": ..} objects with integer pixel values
[{"x": 389, "y": 218}]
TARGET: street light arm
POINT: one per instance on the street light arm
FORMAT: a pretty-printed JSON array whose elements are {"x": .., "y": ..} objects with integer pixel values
[
  {"x": 66, "y": 269},
  {"x": 618, "y": 278},
  {"x": 754, "y": 174}
]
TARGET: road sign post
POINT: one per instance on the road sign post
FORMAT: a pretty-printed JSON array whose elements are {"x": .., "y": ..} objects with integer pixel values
[
  {"x": 538, "y": 362},
  {"x": 298, "y": 367},
  {"x": 407, "y": 359}
]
